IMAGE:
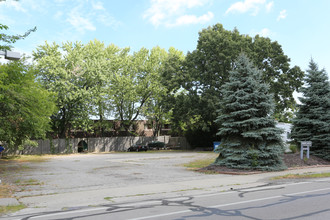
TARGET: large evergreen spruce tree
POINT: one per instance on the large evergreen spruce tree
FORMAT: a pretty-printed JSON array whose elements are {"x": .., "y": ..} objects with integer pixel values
[
  {"x": 312, "y": 122},
  {"x": 249, "y": 138}
]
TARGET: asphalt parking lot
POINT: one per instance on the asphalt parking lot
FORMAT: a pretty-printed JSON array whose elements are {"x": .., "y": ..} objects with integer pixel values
[
  {"x": 83, "y": 172},
  {"x": 70, "y": 182}
]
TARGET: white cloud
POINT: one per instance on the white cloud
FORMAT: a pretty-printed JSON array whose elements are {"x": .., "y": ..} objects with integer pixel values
[
  {"x": 192, "y": 19},
  {"x": 97, "y": 5},
  {"x": 173, "y": 12},
  {"x": 282, "y": 15},
  {"x": 37, "y": 5},
  {"x": 79, "y": 22},
  {"x": 265, "y": 32},
  {"x": 17, "y": 6},
  {"x": 88, "y": 14},
  {"x": 253, "y": 6},
  {"x": 108, "y": 20},
  {"x": 269, "y": 6}
]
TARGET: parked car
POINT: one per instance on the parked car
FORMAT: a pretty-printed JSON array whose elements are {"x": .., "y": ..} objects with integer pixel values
[
  {"x": 137, "y": 147},
  {"x": 156, "y": 144}
]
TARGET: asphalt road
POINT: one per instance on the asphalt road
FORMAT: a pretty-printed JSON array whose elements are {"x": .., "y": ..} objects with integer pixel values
[{"x": 292, "y": 200}]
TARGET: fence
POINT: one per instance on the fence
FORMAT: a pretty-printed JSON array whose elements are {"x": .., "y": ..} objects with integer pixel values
[{"x": 105, "y": 144}]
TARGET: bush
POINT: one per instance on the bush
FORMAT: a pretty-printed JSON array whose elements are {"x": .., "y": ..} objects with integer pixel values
[{"x": 293, "y": 148}]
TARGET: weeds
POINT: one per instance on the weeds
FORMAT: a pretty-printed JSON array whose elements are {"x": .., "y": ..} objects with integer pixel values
[
  {"x": 109, "y": 199},
  {"x": 6, "y": 190},
  {"x": 302, "y": 176},
  {"x": 201, "y": 163},
  {"x": 11, "y": 208},
  {"x": 29, "y": 182}
]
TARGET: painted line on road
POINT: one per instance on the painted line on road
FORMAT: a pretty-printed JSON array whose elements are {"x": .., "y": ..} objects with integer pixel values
[
  {"x": 250, "y": 189},
  {"x": 141, "y": 203},
  {"x": 230, "y": 204},
  {"x": 184, "y": 211},
  {"x": 271, "y": 187},
  {"x": 311, "y": 191}
]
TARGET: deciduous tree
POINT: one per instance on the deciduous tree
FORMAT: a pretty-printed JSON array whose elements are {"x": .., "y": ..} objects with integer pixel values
[
  {"x": 207, "y": 69},
  {"x": 25, "y": 106},
  {"x": 62, "y": 71},
  {"x": 135, "y": 84},
  {"x": 6, "y": 40}
]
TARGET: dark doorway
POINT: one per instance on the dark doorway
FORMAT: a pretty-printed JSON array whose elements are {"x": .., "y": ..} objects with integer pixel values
[{"x": 82, "y": 146}]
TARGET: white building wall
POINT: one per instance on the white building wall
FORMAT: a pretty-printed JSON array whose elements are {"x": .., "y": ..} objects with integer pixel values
[{"x": 286, "y": 135}]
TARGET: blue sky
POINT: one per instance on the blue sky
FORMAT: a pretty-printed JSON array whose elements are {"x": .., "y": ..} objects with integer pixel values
[{"x": 302, "y": 27}]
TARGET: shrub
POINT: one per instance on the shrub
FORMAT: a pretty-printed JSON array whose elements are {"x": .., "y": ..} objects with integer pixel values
[{"x": 293, "y": 148}]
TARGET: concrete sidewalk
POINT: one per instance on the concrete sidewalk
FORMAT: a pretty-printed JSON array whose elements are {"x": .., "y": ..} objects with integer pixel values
[{"x": 221, "y": 183}]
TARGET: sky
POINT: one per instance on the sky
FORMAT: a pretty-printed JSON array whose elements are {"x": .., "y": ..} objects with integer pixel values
[{"x": 302, "y": 27}]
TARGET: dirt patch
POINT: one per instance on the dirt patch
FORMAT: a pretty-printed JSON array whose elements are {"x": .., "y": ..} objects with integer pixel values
[
  {"x": 6, "y": 190},
  {"x": 292, "y": 161}
]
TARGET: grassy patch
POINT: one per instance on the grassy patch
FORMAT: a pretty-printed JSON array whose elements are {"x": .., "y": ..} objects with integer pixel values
[
  {"x": 302, "y": 176},
  {"x": 11, "y": 208},
  {"x": 183, "y": 190},
  {"x": 109, "y": 199},
  {"x": 200, "y": 163},
  {"x": 141, "y": 194},
  {"x": 27, "y": 158},
  {"x": 29, "y": 182}
]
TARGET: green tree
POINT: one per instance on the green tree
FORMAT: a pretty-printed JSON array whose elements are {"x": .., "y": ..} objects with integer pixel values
[
  {"x": 207, "y": 69},
  {"x": 98, "y": 62},
  {"x": 25, "y": 107},
  {"x": 158, "y": 109},
  {"x": 135, "y": 84},
  {"x": 312, "y": 122},
  {"x": 249, "y": 138},
  {"x": 6, "y": 40},
  {"x": 64, "y": 73}
]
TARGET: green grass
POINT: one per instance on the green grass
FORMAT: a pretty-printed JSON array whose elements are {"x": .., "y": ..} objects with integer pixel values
[
  {"x": 11, "y": 208},
  {"x": 302, "y": 176},
  {"x": 109, "y": 199},
  {"x": 200, "y": 163},
  {"x": 29, "y": 182}
]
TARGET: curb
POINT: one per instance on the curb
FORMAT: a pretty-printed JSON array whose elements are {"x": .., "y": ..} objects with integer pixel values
[{"x": 240, "y": 172}]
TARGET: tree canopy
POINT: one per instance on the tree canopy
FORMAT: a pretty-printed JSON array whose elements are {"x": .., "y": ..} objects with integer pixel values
[
  {"x": 6, "y": 40},
  {"x": 249, "y": 138},
  {"x": 94, "y": 80},
  {"x": 65, "y": 76},
  {"x": 207, "y": 68},
  {"x": 312, "y": 122},
  {"x": 25, "y": 107}
]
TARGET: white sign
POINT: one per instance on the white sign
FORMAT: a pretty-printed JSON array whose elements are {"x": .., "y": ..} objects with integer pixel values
[{"x": 306, "y": 143}]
